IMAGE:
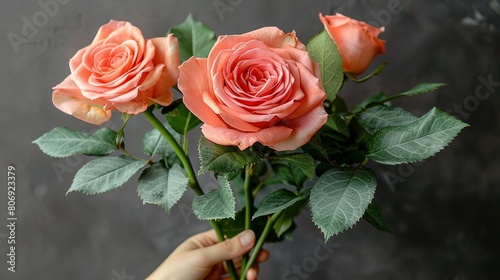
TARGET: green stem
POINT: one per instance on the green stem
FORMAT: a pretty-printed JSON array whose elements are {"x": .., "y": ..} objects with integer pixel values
[
  {"x": 258, "y": 246},
  {"x": 177, "y": 149},
  {"x": 248, "y": 205},
  {"x": 375, "y": 72},
  {"x": 194, "y": 184},
  {"x": 185, "y": 139},
  {"x": 261, "y": 184},
  {"x": 230, "y": 265},
  {"x": 248, "y": 196},
  {"x": 257, "y": 189}
]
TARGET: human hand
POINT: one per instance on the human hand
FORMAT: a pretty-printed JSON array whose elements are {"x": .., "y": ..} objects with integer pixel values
[{"x": 201, "y": 257}]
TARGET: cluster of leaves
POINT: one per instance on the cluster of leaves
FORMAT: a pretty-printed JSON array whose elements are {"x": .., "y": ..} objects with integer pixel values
[{"x": 328, "y": 174}]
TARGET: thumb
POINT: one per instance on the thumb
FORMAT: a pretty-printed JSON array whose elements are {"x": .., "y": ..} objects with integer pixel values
[{"x": 229, "y": 248}]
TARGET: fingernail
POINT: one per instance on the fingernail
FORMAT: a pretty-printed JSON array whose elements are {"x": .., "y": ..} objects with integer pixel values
[{"x": 247, "y": 238}]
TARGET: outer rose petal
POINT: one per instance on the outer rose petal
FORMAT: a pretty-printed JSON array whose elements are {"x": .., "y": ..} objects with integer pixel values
[
  {"x": 315, "y": 94},
  {"x": 193, "y": 83},
  {"x": 68, "y": 98},
  {"x": 232, "y": 137},
  {"x": 167, "y": 53},
  {"x": 108, "y": 28},
  {"x": 303, "y": 129},
  {"x": 131, "y": 107},
  {"x": 275, "y": 37},
  {"x": 76, "y": 60},
  {"x": 221, "y": 51}
]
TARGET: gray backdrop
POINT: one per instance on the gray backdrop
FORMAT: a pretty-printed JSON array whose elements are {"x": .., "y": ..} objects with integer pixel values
[{"x": 444, "y": 213}]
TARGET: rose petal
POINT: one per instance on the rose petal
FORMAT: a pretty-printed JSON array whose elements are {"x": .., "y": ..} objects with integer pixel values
[
  {"x": 106, "y": 29},
  {"x": 193, "y": 83},
  {"x": 232, "y": 137},
  {"x": 314, "y": 96},
  {"x": 224, "y": 48},
  {"x": 131, "y": 107},
  {"x": 124, "y": 33},
  {"x": 68, "y": 98},
  {"x": 167, "y": 53},
  {"x": 274, "y": 37},
  {"x": 303, "y": 129},
  {"x": 152, "y": 78},
  {"x": 232, "y": 120},
  {"x": 126, "y": 96},
  {"x": 301, "y": 57},
  {"x": 76, "y": 60},
  {"x": 164, "y": 99}
]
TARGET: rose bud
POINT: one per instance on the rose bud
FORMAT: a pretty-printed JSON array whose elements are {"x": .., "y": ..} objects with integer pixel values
[{"x": 357, "y": 42}]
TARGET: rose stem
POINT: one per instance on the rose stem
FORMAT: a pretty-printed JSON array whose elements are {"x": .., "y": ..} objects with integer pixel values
[
  {"x": 248, "y": 205},
  {"x": 194, "y": 185},
  {"x": 270, "y": 222}
]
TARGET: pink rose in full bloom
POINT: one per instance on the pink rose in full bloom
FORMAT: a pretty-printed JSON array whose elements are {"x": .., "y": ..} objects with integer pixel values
[
  {"x": 119, "y": 71},
  {"x": 256, "y": 87},
  {"x": 357, "y": 42}
]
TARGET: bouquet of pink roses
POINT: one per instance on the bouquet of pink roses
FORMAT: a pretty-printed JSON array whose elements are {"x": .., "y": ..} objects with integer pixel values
[{"x": 276, "y": 134}]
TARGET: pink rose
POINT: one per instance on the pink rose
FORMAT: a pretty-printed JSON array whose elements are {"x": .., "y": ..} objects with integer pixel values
[
  {"x": 357, "y": 41},
  {"x": 257, "y": 87},
  {"x": 120, "y": 71}
]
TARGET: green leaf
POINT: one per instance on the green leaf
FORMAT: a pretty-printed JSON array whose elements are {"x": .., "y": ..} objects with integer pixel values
[
  {"x": 194, "y": 38},
  {"x": 373, "y": 215},
  {"x": 216, "y": 204},
  {"x": 105, "y": 174},
  {"x": 316, "y": 148},
  {"x": 223, "y": 159},
  {"x": 273, "y": 180},
  {"x": 338, "y": 105},
  {"x": 289, "y": 174},
  {"x": 416, "y": 141},
  {"x": 171, "y": 160},
  {"x": 338, "y": 123},
  {"x": 285, "y": 223},
  {"x": 276, "y": 201},
  {"x": 161, "y": 186},
  {"x": 62, "y": 142},
  {"x": 120, "y": 136},
  {"x": 375, "y": 118},
  {"x": 340, "y": 197},
  {"x": 304, "y": 162},
  {"x": 419, "y": 89},
  {"x": 323, "y": 50},
  {"x": 182, "y": 120},
  {"x": 172, "y": 106},
  {"x": 155, "y": 144}
]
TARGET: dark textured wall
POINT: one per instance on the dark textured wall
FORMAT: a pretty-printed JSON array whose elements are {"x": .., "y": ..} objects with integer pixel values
[{"x": 444, "y": 213}]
